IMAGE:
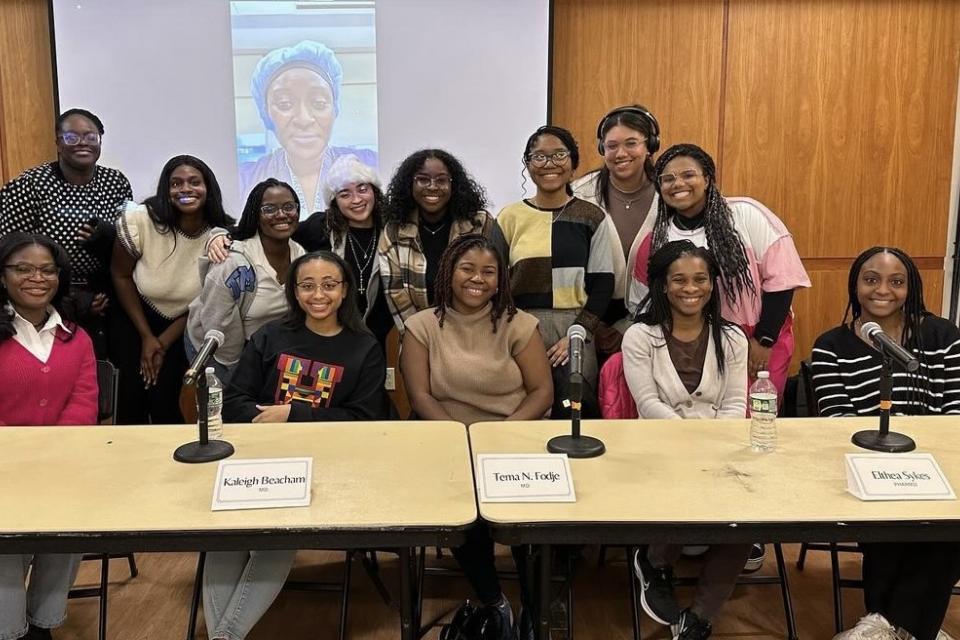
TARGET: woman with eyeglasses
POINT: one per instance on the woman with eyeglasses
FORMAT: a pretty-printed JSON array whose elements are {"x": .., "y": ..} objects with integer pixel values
[
  {"x": 245, "y": 291},
  {"x": 155, "y": 257},
  {"x": 46, "y": 358},
  {"x": 759, "y": 264},
  {"x": 318, "y": 364},
  {"x": 73, "y": 201},
  {"x": 559, "y": 250},
  {"x": 627, "y": 138},
  {"x": 431, "y": 201}
]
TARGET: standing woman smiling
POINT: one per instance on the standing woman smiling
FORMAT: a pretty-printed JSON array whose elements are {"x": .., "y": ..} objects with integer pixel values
[
  {"x": 559, "y": 249},
  {"x": 432, "y": 201},
  {"x": 759, "y": 264},
  {"x": 159, "y": 244}
]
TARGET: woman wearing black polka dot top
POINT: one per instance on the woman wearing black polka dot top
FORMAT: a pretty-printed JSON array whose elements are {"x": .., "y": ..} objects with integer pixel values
[{"x": 75, "y": 202}]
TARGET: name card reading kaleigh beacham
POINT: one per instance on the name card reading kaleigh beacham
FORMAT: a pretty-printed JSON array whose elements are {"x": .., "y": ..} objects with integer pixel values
[
  {"x": 517, "y": 477},
  {"x": 263, "y": 483},
  {"x": 896, "y": 476}
]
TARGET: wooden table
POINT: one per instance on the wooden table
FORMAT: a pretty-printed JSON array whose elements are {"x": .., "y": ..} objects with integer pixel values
[
  {"x": 697, "y": 481},
  {"x": 118, "y": 489}
]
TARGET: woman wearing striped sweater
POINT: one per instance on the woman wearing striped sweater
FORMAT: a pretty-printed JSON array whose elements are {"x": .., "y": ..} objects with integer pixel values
[{"x": 906, "y": 585}]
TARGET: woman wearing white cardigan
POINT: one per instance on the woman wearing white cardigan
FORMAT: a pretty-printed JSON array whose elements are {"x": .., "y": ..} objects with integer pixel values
[{"x": 682, "y": 360}]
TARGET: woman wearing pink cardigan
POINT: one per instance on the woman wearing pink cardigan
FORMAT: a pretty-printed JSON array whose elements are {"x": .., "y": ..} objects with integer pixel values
[{"x": 50, "y": 378}]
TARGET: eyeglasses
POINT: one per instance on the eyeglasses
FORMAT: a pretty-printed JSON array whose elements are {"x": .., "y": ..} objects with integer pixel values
[
  {"x": 309, "y": 288},
  {"x": 425, "y": 182},
  {"x": 668, "y": 179},
  {"x": 540, "y": 159},
  {"x": 72, "y": 139},
  {"x": 271, "y": 210},
  {"x": 632, "y": 144},
  {"x": 24, "y": 270}
]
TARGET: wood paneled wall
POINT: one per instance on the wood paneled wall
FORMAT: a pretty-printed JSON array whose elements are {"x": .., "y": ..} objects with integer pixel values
[
  {"x": 26, "y": 87},
  {"x": 838, "y": 115}
]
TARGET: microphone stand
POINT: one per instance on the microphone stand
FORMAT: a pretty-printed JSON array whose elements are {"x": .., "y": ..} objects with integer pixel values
[
  {"x": 576, "y": 445},
  {"x": 884, "y": 440},
  {"x": 204, "y": 449}
]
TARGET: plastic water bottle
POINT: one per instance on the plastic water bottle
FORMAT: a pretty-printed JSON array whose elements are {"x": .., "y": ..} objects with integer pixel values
[
  {"x": 214, "y": 405},
  {"x": 763, "y": 412}
]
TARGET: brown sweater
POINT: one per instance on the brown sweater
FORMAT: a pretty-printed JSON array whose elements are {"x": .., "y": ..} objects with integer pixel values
[{"x": 473, "y": 373}]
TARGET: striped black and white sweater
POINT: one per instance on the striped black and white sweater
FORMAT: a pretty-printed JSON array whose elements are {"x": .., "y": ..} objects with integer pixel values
[{"x": 846, "y": 373}]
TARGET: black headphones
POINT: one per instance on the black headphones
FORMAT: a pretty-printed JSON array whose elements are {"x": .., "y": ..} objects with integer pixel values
[{"x": 653, "y": 140}]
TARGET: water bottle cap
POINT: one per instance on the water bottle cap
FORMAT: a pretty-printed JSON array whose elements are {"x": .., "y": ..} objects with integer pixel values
[
  {"x": 763, "y": 374},
  {"x": 208, "y": 370}
]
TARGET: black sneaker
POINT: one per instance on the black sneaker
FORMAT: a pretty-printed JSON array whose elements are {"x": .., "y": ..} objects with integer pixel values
[
  {"x": 656, "y": 589},
  {"x": 755, "y": 559},
  {"x": 525, "y": 625},
  {"x": 501, "y": 619},
  {"x": 691, "y": 627}
]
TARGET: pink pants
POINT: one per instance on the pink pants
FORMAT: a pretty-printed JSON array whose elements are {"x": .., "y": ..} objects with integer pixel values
[{"x": 780, "y": 356}]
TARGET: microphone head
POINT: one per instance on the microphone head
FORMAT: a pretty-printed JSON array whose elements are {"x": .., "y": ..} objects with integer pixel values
[
  {"x": 215, "y": 335},
  {"x": 577, "y": 331},
  {"x": 869, "y": 329}
]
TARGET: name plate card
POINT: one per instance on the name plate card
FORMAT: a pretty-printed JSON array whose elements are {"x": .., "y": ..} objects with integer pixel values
[
  {"x": 262, "y": 483},
  {"x": 896, "y": 476},
  {"x": 523, "y": 477}
]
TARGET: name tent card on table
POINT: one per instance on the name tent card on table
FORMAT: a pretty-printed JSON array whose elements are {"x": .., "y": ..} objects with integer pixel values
[
  {"x": 524, "y": 477},
  {"x": 896, "y": 476},
  {"x": 262, "y": 483}
]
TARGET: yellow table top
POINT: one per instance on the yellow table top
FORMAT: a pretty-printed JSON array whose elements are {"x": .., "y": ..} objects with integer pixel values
[
  {"x": 703, "y": 471},
  {"x": 118, "y": 479}
]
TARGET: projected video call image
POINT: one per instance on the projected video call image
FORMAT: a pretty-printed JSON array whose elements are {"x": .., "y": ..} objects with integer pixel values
[{"x": 305, "y": 92}]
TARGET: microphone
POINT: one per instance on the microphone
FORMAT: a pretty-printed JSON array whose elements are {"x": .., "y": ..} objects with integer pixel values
[
  {"x": 872, "y": 332},
  {"x": 211, "y": 342},
  {"x": 578, "y": 337}
]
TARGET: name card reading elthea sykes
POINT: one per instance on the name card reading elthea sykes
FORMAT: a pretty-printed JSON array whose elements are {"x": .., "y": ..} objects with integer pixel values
[
  {"x": 896, "y": 476},
  {"x": 263, "y": 483},
  {"x": 517, "y": 477}
]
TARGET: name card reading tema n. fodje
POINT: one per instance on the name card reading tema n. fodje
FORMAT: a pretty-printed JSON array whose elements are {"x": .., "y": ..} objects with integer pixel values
[
  {"x": 896, "y": 476},
  {"x": 263, "y": 483},
  {"x": 520, "y": 477}
]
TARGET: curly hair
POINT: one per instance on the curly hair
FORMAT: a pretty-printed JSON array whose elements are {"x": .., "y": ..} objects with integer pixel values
[
  {"x": 250, "y": 218},
  {"x": 62, "y": 302},
  {"x": 502, "y": 300},
  {"x": 337, "y": 224},
  {"x": 655, "y": 308},
  {"x": 467, "y": 197},
  {"x": 722, "y": 238}
]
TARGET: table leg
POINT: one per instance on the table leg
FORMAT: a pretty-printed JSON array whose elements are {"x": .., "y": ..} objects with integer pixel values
[
  {"x": 543, "y": 628},
  {"x": 407, "y": 630}
]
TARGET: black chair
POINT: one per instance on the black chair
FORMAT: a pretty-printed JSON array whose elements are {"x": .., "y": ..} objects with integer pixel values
[{"x": 107, "y": 381}]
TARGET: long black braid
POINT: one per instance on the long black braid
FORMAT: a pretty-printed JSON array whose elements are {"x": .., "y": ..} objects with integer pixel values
[
  {"x": 914, "y": 311},
  {"x": 722, "y": 237},
  {"x": 656, "y": 306},
  {"x": 502, "y": 300}
]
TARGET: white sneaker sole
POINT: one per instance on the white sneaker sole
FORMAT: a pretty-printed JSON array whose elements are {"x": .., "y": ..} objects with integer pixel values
[{"x": 638, "y": 572}]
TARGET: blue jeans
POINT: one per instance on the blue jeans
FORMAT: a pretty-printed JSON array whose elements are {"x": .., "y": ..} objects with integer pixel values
[
  {"x": 239, "y": 587},
  {"x": 44, "y": 602}
]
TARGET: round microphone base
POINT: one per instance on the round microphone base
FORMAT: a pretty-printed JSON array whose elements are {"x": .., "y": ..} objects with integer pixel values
[
  {"x": 582, "y": 447},
  {"x": 194, "y": 452},
  {"x": 891, "y": 442}
]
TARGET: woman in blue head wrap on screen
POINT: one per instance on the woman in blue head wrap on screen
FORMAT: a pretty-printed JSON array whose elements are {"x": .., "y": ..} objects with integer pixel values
[{"x": 297, "y": 93}]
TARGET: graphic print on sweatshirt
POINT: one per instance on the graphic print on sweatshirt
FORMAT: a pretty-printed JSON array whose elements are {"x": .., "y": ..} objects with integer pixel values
[{"x": 306, "y": 380}]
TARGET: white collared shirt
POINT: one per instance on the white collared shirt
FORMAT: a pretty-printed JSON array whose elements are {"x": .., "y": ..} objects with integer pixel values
[{"x": 39, "y": 343}]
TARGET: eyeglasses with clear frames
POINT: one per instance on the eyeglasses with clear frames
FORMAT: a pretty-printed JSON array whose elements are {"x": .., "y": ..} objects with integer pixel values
[
  {"x": 540, "y": 159},
  {"x": 72, "y": 139},
  {"x": 271, "y": 210},
  {"x": 669, "y": 179},
  {"x": 630, "y": 144},
  {"x": 24, "y": 270},
  {"x": 309, "y": 288},
  {"x": 425, "y": 182}
]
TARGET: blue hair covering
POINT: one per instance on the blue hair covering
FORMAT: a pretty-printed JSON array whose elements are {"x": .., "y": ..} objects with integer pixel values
[{"x": 306, "y": 55}]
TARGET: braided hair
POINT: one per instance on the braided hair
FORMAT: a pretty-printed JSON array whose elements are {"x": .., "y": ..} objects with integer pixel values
[
  {"x": 502, "y": 300},
  {"x": 914, "y": 311},
  {"x": 722, "y": 237},
  {"x": 656, "y": 309}
]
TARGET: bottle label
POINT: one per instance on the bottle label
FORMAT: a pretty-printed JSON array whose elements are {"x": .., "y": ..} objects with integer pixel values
[
  {"x": 215, "y": 402},
  {"x": 763, "y": 405}
]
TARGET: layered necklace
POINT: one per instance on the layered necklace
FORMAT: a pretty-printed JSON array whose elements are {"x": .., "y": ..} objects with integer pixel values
[
  {"x": 621, "y": 195},
  {"x": 361, "y": 258}
]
